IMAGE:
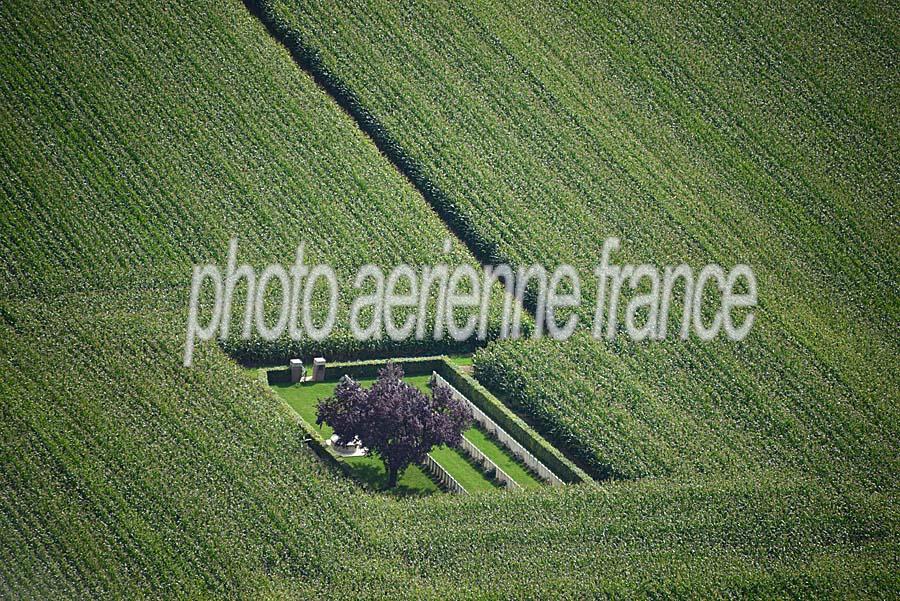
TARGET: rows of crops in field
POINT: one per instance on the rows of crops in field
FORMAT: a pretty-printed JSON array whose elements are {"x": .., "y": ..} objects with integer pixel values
[
  {"x": 137, "y": 145},
  {"x": 696, "y": 134},
  {"x": 622, "y": 427},
  {"x": 762, "y": 538},
  {"x": 134, "y": 144},
  {"x": 125, "y": 473},
  {"x": 577, "y": 122},
  {"x": 139, "y": 139},
  {"x": 176, "y": 140}
]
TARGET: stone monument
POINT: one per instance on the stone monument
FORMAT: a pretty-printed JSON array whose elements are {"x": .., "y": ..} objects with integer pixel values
[
  {"x": 296, "y": 370},
  {"x": 318, "y": 374}
]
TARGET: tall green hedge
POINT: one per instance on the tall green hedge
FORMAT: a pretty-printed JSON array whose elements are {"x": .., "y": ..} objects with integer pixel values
[{"x": 513, "y": 424}]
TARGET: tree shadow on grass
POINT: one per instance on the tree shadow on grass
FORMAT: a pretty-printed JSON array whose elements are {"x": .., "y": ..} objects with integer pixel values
[{"x": 370, "y": 472}]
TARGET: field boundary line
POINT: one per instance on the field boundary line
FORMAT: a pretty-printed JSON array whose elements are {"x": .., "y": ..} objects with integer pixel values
[{"x": 457, "y": 221}]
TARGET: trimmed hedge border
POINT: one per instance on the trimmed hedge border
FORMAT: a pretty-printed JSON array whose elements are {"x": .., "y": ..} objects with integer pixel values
[
  {"x": 549, "y": 455},
  {"x": 412, "y": 366},
  {"x": 256, "y": 352}
]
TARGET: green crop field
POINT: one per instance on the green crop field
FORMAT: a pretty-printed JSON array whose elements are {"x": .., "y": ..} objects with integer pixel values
[
  {"x": 694, "y": 133},
  {"x": 641, "y": 124},
  {"x": 139, "y": 138}
]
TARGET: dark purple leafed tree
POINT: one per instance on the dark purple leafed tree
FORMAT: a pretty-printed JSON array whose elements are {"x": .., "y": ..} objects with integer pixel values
[{"x": 394, "y": 419}]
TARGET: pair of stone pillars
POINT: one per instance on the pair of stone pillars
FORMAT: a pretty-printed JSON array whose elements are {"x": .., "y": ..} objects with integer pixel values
[{"x": 318, "y": 374}]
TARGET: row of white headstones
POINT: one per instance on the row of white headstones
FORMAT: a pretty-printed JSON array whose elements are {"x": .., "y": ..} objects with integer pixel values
[{"x": 494, "y": 429}]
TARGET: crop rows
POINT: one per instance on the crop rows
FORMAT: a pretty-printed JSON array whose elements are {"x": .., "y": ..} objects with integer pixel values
[
  {"x": 123, "y": 472},
  {"x": 619, "y": 424},
  {"x": 696, "y": 134},
  {"x": 138, "y": 140},
  {"x": 113, "y": 482},
  {"x": 160, "y": 160},
  {"x": 174, "y": 140}
]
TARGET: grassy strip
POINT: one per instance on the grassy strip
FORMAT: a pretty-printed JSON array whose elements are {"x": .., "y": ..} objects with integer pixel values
[
  {"x": 462, "y": 469},
  {"x": 370, "y": 471},
  {"x": 461, "y": 360},
  {"x": 502, "y": 457}
]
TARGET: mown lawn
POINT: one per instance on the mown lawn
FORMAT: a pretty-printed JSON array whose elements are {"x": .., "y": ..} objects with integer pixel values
[
  {"x": 414, "y": 481},
  {"x": 461, "y": 360},
  {"x": 502, "y": 458},
  {"x": 304, "y": 398},
  {"x": 459, "y": 466}
]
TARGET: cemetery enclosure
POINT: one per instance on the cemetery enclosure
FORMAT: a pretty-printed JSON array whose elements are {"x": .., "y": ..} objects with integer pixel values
[{"x": 484, "y": 445}]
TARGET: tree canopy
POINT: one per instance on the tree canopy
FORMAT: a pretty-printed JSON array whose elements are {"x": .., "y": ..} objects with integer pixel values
[{"x": 394, "y": 419}]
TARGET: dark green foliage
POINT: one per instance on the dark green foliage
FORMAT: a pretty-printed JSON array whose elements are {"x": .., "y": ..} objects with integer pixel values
[
  {"x": 394, "y": 419},
  {"x": 138, "y": 139}
]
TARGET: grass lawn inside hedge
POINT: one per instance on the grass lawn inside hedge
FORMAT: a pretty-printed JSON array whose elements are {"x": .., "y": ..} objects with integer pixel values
[
  {"x": 461, "y": 360},
  {"x": 304, "y": 398},
  {"x": 503, "y": 458},
  {"x": 413, "y": 481}
]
